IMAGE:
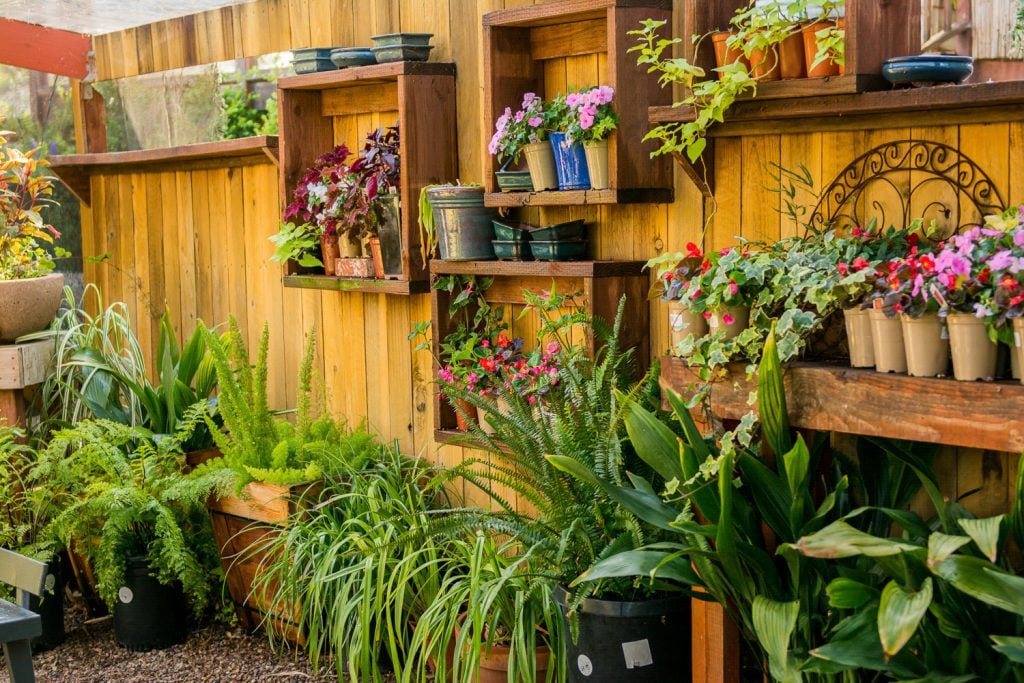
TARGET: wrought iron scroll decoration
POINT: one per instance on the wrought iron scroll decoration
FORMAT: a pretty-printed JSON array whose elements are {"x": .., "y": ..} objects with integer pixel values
[{"x": 845, "y": 202}]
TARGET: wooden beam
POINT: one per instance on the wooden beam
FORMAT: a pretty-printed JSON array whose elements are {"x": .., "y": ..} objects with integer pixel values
[{"x": 52, "y": 50}]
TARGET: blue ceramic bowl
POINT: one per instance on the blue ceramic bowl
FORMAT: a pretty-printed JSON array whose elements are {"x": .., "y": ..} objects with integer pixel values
[
  {"x": 923, "y": 70},
  {"x": 345, "y": 57}
]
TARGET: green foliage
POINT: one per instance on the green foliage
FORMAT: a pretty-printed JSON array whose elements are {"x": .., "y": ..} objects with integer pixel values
[
  {"x": 241, "y": 119},
  {"x": 360, "y": 568},
  {"x": 121, "y": 493},
  {"x": 25, "y": 507},
  {"x": 298, "y": 243}
]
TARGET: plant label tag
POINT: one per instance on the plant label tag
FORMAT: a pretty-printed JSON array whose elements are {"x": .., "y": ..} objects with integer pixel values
[
  {"x": 125, "y": 595},
  {"x": 51, "y": 581},
  {"x": 637, "y": 654},
  {"x": 584, "y": 664},
  {"x": 937, "y": 295}
]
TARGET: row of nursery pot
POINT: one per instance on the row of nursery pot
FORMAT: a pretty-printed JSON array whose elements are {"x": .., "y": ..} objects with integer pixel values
[
  {"x": 345, "y": 214},
  {"x": 564, "y": 142}
]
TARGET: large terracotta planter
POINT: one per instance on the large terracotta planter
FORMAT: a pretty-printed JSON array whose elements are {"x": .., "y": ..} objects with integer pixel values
[
  {"x": 858, "y": 338},
  {"x": 540, "y": 159},
  {"x": 827, "y": 67},
  {"x": 683, "y": 322},
  {"x": 730, "y": 319},
  {"x": 597, "y": 163},
  {"x": 926, "y": 345},
  {"x": 28, "y": 305},
  {"x": 974, "y": 354},
  {"x": 887, "y": 338}
]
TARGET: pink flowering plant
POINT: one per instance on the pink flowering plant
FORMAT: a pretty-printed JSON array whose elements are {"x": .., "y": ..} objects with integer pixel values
[
  {"x": 673, "y": 272},
  {"x": 515, "y": 130},
  {"x": 589, "y": 115}
]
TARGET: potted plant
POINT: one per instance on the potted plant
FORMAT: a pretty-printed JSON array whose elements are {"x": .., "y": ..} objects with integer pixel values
[
  {"x": 123, "y": 499},
  {"x": 513, "y": 133},
  {"x": 455, "y": 222},
  {"x": 673, "y": 272},
  {"x": 570, "y": 158},
  {"x": 914, "y": 296},
  {"x": 592, "y": 121},
  {"x": 1008, "y": 294},
  {"x": 30, "y": 291},
  {"x": 729, "y": 281},
  {"x": 381, "y": 164}
]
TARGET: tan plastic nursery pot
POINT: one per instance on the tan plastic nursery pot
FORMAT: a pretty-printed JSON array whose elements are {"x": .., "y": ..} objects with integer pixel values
[
  {"x": 926, "y": 344},
  {"x": 683, "y": 322},
  {"x": 732, "y": 319},
  {"x": 858, "y": 338},
  {"x": 597, "y": 163},
  {"x": 887, "y": 339},
  {"x": 540, "y": 159},
  {"x": 1018, "y": 343},
  {"x": 974, "y": 354}
]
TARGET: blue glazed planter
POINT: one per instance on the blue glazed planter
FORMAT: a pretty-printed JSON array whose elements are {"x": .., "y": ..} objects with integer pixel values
[{"x": 570, "y": 163}]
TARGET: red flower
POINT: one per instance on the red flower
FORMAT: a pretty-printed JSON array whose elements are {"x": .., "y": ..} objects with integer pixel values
[
  {"x": 984, "y": 275},
  {"x": 692, "y": 251},
  {"x": 488, "y": 364},
  {"x": 503, "y": 340},
  {"x": 860, "y": 264},
  {"x": 843, "y": 268},
  {"x": 705, "y": 266}
]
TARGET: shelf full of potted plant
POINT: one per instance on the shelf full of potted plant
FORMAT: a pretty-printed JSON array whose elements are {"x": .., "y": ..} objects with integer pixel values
[{"x": 30, "y": 291}]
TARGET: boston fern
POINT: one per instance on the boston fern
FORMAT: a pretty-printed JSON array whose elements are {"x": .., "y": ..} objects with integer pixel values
[{"x": 121, "y": 493}]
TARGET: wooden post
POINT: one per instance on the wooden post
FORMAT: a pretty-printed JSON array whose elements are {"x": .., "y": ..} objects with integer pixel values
[
  {"x": 90, "y": 119},
  {"x": 21, "y": 366}
]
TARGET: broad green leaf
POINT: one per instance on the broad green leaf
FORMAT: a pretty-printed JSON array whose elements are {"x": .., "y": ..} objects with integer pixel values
[
  {"x": 983, "y": 581},
  {"x": 1010, "y": 646},
  {"x": 774, "y": 623},
  {"x": 643, "y": 563},
  {"x": 654, "y": 442},
  {"x": 839, "y": 540},
  {"x": 941, "y": 546},
  {"x": 692, "y": 455},
  {"x": 899, "y": 614},
  {"x": 725, "y": 541},
  {"x": 844, "y": 593},
  {"x": 766, "y": 488},
  {"x": 771, "y": 398},
  {"x": 856, "y": 645},
  {"x": 985, "y": 534},
  {"x": 797, "y": 461}
]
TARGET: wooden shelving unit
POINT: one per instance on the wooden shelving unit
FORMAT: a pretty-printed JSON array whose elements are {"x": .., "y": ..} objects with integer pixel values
[
  {"x": 834, "y": 398},
  {"x": 601, "y": 284},
  {"x": 517, "y": 44},
  {"x": 421, "y": 95},
  {"x": 75, "y": 170}
]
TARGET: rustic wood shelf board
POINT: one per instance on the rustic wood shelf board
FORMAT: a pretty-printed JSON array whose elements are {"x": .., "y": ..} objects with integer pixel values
[
  {"x": 556, "y": 269},
  {"x": 947, "y": 99},
  {"x": 578, "y": 197},
  {"x": 74, "y": 170},
  {"x": 364, "y": 285},
  {"x": 362, "y": 75},
  {"x": 987, "y": 415},
  {"x": 25, "y": 365}
]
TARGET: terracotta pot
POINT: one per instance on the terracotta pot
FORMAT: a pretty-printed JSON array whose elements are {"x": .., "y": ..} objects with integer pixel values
[
  {"x": 353, "y": 267},
  {"x": 494, "y": 664},
  {"x": 463, "y": 422},
  {"x": 1018, "y": 342},
  {"x": 927, "y": 345},
  {"x": 328, "y": 252},
  {"x": 28, "y": 305},
  {"x": 841, "y": 25},
  {"x": 791, "y": 57},
  {"x": 725, "y": 54},
  {"x": 378, "y": 257},
  {"x": 597, "y": 163},
  {"x": 739, "y": 316},
  {"x": 827, "y": 67},
  {"x": 764, "y": 64},
  {"x": 974, "y": 354},
  {"x": 349, "y": 247},
  {"x": 682, "y": 322},
  {"x": 858, "y": 337},
  {"x": 887, "y": 339},
  {"x": 540, "y": 159}
]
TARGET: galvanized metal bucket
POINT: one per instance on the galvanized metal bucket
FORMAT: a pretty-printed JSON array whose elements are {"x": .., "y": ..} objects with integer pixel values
[{"x": 464, "y": 228}]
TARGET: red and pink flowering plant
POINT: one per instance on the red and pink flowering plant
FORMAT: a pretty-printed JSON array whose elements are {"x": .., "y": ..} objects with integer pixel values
[{"x": 673, "y": 272}]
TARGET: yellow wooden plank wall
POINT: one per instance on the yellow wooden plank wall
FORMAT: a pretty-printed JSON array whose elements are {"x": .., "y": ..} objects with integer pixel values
[{"x": 196, "y": 241}]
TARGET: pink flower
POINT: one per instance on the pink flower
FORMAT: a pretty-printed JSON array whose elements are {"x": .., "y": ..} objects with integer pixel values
[
  {"x": 552, "y": 348},
  {"x": 520, "y": 115},
  {"x": 1018, "y": 237},
  {"x": 535, "y": 121},
  {"x": 590, "y": 110},
  {"x": 528, "y": 99},
  {"x": 696, "y": 294},
  {"x": 472, "y": 378},
  {"x": 586, "y": 121},
  {"x": 728, "y": 319},
  {"x": 1001, "y": 260},
  {"x": 604, "y": 95},
  {"x": 734, "y": 289},
  {"x": 572, "y": 99}
]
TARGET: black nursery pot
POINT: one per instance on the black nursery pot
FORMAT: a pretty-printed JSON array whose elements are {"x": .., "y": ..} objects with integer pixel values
[
  {"x": 50, "y": 607},
  {"x": 148, "y": 615},
  {"x": 618, "y": 642}
]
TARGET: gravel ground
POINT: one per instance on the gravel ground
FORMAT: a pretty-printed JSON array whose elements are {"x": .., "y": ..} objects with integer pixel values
[{"x": 213, "y": 654}]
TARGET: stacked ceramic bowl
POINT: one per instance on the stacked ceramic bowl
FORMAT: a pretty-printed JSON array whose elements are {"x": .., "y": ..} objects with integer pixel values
[
  {"x": 523, "y": 242},
  {"x": 344, "y": 57},
  {"x": 312, "y": 59},
  {"x": 402, "y": 47}
]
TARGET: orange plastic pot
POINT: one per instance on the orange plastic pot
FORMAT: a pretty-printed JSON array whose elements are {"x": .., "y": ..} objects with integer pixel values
[
  {"x": 724, "y": 54},
  {"x": 764, "y": 64},
  {"x": 825, "y": 68},
  {"x": 792, "y": 63}
]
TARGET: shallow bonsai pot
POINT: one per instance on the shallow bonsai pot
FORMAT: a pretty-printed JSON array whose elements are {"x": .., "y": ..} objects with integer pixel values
[
  {"x": 392, "y": 39},
  {"x": 571, "y": 230},
  {"x": 514, "y": 181},
  {"x": 312, "y": 66},
  {"x": 558, "y": 251},
  {"x": 925, "y": 70},
  {"x": 344, "y": 57},
  {"x": 28, "y": 305},
  {"x": 310, "y": 53},
  {"x": 511, "y": 250},
  {"x": 402, "y": 53}
]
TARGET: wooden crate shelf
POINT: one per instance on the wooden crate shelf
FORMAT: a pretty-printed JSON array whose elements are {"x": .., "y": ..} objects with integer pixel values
[
  {"x": 600, "y": 284},
  {"x": 517, "y": 44},
  {"x": 362, "y": 285},
  {"x": 75, "y": 170},
  {"x": 422, "y": 94},
  {"x": 833, "y": 398}
]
